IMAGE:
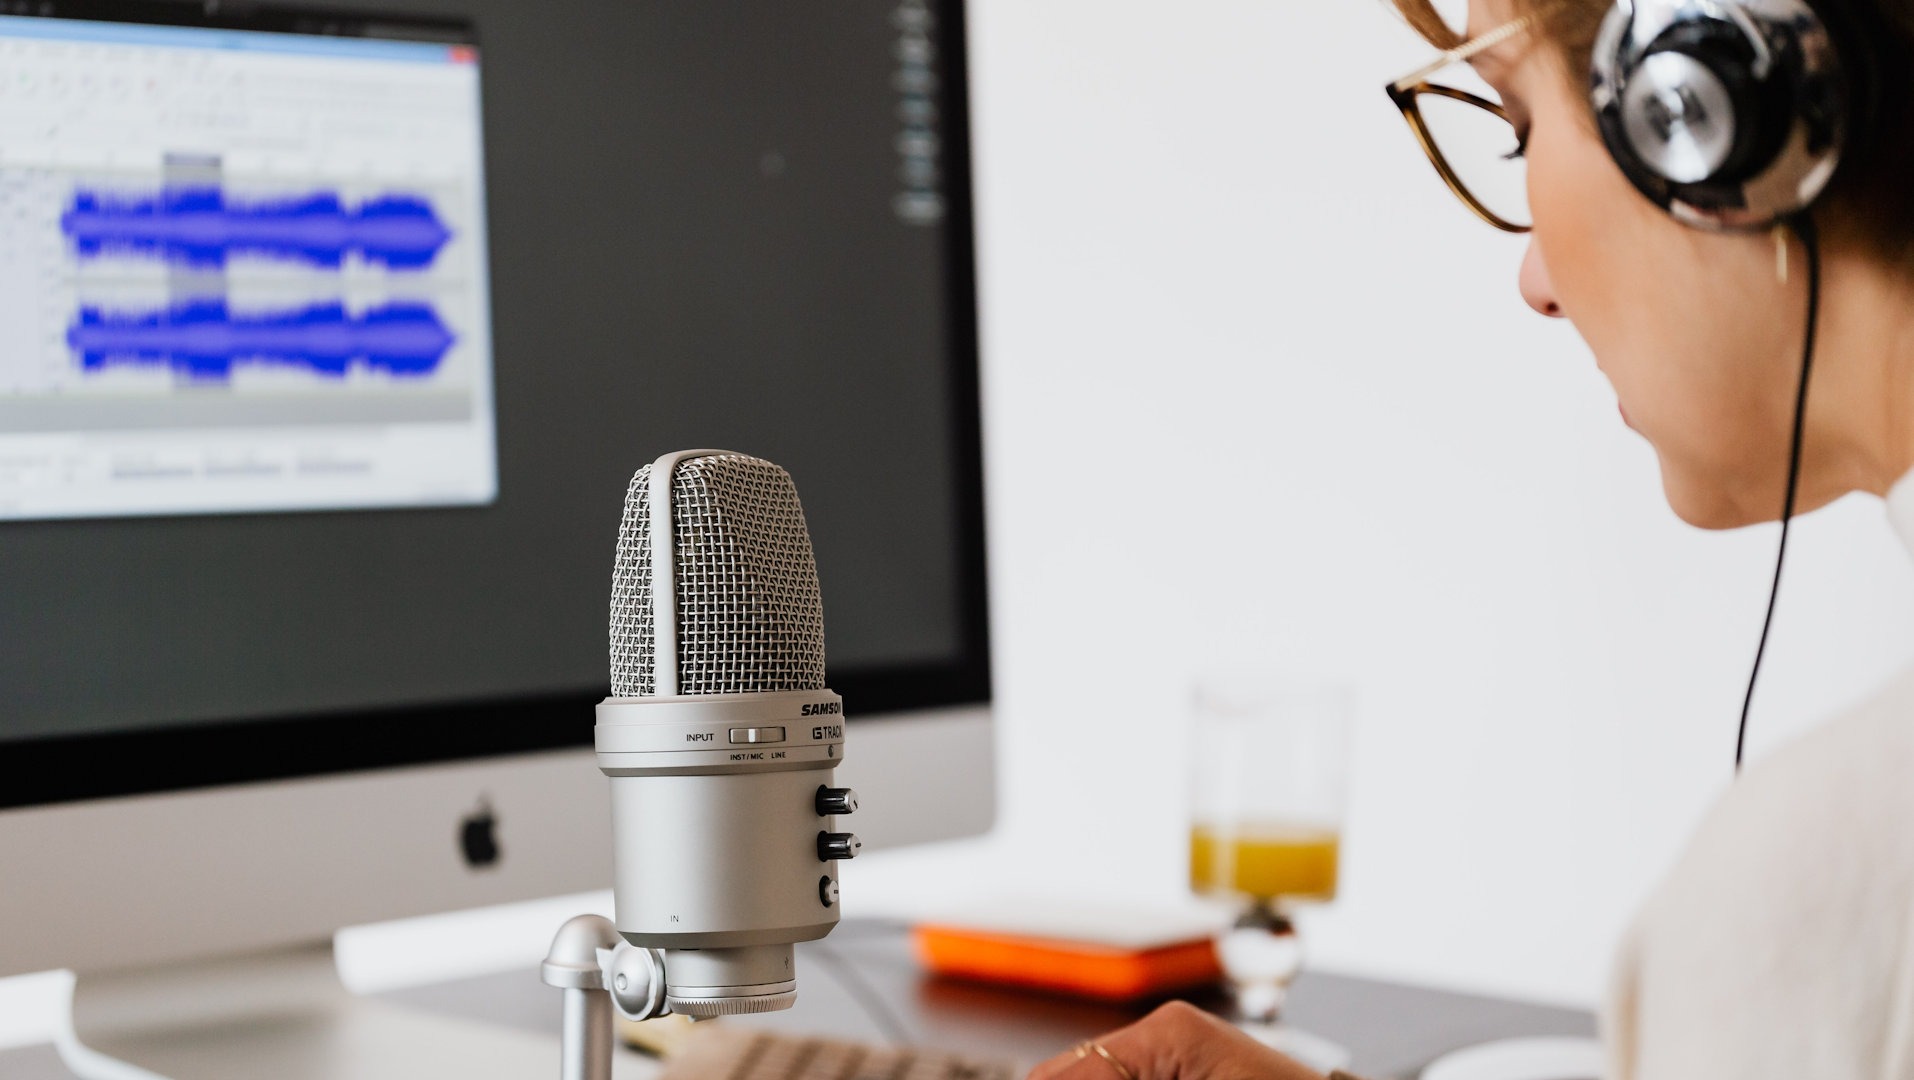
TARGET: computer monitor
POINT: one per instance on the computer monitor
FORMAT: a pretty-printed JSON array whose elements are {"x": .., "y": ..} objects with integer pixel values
[{"x": 328, "y": 343}]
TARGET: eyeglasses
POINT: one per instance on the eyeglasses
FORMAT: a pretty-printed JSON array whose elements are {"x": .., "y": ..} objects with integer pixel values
[{"x": 1469, "y": 139}]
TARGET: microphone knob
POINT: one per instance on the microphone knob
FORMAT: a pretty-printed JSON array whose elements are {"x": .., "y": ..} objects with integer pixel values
[
  {"x": 836, "y": 800},
  {"x": 837, "y": 845}
]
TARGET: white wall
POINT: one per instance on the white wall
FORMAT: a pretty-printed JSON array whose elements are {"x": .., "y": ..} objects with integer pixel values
[{"x": 1254, "y": 377}]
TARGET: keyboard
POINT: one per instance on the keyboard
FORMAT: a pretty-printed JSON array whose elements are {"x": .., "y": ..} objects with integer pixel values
[{"x": 718, "y": 1053}]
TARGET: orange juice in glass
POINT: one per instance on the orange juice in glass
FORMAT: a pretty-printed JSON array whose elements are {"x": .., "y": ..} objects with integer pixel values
[
  {"x": 1265, "y": 860},
  {"x": 1269, "y": 775}
]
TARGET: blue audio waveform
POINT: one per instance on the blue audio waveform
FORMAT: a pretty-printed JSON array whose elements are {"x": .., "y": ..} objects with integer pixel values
[
  {"x": 200, "y": 225},
  {"x": 202, "y": 339}
]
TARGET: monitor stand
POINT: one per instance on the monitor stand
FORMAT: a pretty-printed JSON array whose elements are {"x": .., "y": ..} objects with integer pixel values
[{"x": 283, "y": 1015}]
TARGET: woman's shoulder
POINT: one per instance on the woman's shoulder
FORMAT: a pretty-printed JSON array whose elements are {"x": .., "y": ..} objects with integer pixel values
[
  {"x": 1784, "y": 927},
  {"x": 1815, "y": 823},
  {"x": 1837, "y": 792}
]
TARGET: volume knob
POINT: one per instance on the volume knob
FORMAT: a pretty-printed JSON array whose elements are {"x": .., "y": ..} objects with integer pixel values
[
  {"x": 838, "y": 845},
  {"x": 836, "y": 800}
]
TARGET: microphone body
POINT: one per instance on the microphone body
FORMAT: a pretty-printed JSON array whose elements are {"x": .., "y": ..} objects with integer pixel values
[{"x": 720, "y": 738}]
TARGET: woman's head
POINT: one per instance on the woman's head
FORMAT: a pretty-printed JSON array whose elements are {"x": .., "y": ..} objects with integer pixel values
[{"x": 1700, "y": 339}]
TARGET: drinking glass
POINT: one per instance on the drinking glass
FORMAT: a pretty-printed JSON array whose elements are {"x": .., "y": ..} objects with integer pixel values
[{"x": 1269, "y": 780}]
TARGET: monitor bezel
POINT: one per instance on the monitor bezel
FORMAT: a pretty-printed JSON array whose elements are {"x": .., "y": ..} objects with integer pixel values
[{"x": 208, "y": 754}]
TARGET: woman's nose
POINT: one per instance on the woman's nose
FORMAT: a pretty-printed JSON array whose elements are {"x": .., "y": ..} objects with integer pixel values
[{"x": 1536, "y": 288}]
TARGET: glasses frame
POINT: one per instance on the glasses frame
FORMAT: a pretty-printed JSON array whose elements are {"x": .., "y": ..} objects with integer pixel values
[{"x": 1403, "y": 93}]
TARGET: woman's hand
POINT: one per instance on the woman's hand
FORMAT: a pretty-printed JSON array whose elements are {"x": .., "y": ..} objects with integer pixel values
[{"x": 1177, "y": 1042}]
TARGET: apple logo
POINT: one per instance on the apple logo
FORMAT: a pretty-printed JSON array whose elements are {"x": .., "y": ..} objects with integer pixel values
[{"x": 478, "y": 836}]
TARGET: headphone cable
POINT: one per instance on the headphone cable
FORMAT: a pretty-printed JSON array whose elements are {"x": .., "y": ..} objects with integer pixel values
[{"x": 1803, "y": 226}]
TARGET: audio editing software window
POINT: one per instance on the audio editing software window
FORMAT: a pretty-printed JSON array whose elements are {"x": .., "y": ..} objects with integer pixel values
[{"x": 239, "y": 272}]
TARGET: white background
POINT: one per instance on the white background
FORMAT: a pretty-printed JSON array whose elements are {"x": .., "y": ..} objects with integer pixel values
[{"x": 1255, "y": 380}]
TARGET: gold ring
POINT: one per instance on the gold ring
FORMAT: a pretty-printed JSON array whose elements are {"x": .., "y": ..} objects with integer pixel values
[{"x": 1085, "y": 1049}]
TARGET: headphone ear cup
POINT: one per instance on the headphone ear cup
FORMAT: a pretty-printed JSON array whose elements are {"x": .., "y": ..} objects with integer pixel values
[
  {"x": 1697, "y": 82},
  {"x": 1719, "y": 114},
  {"x": 1610, "y": 123}
]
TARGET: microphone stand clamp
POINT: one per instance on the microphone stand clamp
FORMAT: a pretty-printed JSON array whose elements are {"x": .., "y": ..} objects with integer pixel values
[{"x": 599, "y": 972}]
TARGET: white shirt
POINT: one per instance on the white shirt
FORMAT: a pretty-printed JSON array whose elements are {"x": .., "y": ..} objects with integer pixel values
[{"x": 1782, "y": 944}]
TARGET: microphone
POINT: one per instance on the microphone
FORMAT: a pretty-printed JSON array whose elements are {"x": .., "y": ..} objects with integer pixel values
[{"x": 720, "y": 737}]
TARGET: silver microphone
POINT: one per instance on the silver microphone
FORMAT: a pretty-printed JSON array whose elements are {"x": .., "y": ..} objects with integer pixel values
[{"x": 720, "y": 737}]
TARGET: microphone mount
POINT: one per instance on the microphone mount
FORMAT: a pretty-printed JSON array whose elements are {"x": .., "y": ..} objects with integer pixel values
[{"x": 600, "y": 972}]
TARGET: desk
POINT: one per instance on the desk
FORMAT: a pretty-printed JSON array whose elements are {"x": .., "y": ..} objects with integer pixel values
[{"x": 1392, "y": 1029}]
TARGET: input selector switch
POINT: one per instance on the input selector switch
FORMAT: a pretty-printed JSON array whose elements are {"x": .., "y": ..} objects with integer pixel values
[
  {"x": 837, "y": 845},
  {"x": 832, "y": 801}
]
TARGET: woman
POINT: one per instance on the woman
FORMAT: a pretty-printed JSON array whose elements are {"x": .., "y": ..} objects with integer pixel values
[{"x": 1782, "y": 945}]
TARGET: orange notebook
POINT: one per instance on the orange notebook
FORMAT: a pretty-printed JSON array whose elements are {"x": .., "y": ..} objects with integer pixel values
[{"x": 1108, "y": 955}]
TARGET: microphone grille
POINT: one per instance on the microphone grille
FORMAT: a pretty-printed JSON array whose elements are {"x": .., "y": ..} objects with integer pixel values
[{"x": 750, "y": 618}]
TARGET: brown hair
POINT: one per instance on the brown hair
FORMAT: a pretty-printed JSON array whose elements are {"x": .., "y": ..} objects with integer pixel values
[
  {"x": 1569, "y": 25},
  {"x": 1870, "y": 200}
]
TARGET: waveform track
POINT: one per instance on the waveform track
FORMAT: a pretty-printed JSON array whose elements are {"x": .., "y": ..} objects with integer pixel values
[
  {"x": 202, "y": 226},
  {"x": 203, "y": 339}
]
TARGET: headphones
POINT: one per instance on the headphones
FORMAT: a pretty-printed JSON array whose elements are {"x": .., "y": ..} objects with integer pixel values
[{"x": 1730, "y": 115}]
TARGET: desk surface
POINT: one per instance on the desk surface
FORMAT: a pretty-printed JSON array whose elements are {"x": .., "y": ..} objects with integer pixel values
[{"x": 1391, "y": 1029}]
